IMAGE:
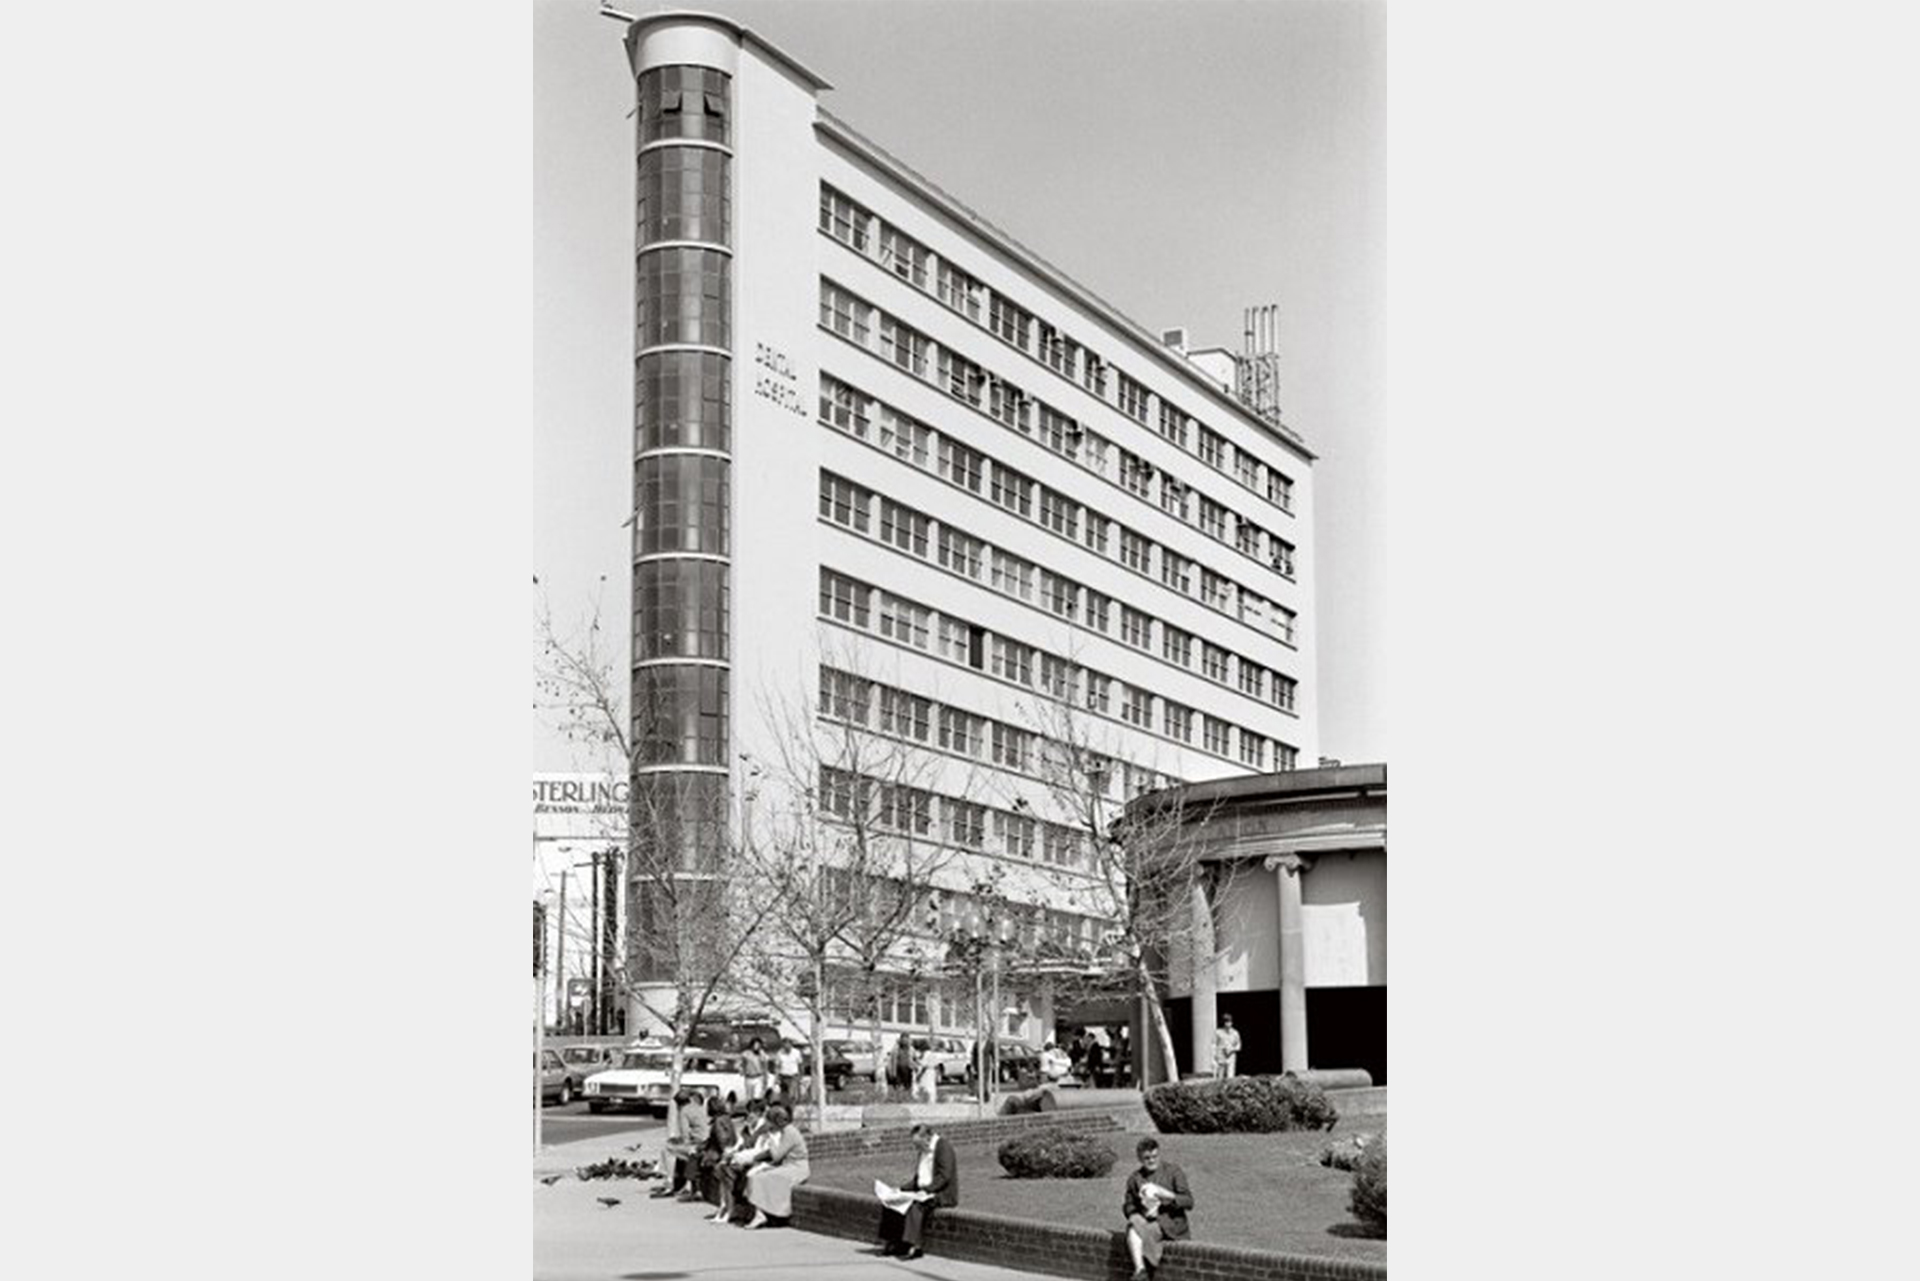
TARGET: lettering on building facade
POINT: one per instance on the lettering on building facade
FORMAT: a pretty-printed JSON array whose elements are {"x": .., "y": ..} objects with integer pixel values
[{"x": 776, "y": 380}]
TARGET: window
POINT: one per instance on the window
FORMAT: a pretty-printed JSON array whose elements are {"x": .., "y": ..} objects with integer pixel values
[
  {"x": 1176, "y": 646},
  {"x": 844, "y": 599},
  {"x": 962, "y": 732},
  {"x": 1058, "y": 432},
  {"x": 1178, "y": 721},
  {"x": 1213, "y": 662},
  {"x": 1096, "y": 532},
  {"x": 1280, "y": 555},
  {"x": 1212, "y": 448},
  {"x": 963, "y": 466},
  {"x": 679, "y": 609},
  {"x": 905, "y": 255},
  {"x": 905, "y": 715},
  {"x": 902, "y": 620},
  {"x": 1213, "y": 735},
  {"x": 908, "y": 438},
  {"x": 1093, "y": 375},
  {"x": 1099, "y": 692},
  {"x": 844, "y": 696},
  {"x": 961, "y": 377},
  {"x": 1009, "y": 405},
  {"x": 681, "y": 296},
  {"x": 843, "y": 407},
  {"x": 966, "y": 822},
  {"x": 960, "y": 552},
  {"x": 1173, "y": 496},
  {"x": 1061, "y": 595},
  {"x": 1059, "y": 513},
  {"x": 843, "y": 502},
  {"x": 1253, "y": 749},
  {"x": 1283, "y": 689},
  {"x": 1173, "y": 423},
  {"x": 842, "y": 219},
  {"x": 1057, "y": 351},
  {"x": 1213, "y": 519},
  {"x": 1281, "y": 619},
  {"x": 1016, "y": 834},
  {"x": 904, "y": 345},
  {"x": 838, "y": 789},
  {"x": 1214, "y": 590},
  {"x": 1284, "y": 757},
  {"x": 1012, "y": 575},
  {"x": 680, "y": 715},
  {"x": 1136, "y": 474},
  {"x": 1246, "y": 536},
  {"x": 1061, "y": 847},
  {"x": 1098, "y": 449},
  {"x": 1134, "y": 550},
  {"x": 958, "y": 290},
  {"x": 1012, "y": 660},
  {"x": 1136, "y": 628},
  {"x": 681, "y": 194},
  {"x": 1011, "y": 747},
  {"x": 1253, "y": 679},
  {"x": 1136, "y": 706},
  {"x": 1247, "y": 468},
  {"x": 1279, "y": 490},
  {"x": 1009, "y": 321},
  {"x": 904, "y": 527},
  {"x": 1176, "y": 571},
  {"x": 1133, "y": 399},
  {"x": 843, "y": 313},
  {"x": 905, "y": 809},
  {"x": 1098, "y": 609},
  {"x": 683, "y": 102},
  {"x": 1012, "y": 490},
  {"x": 1057, "y": 677},
  {"x": 682, "y": 504},
  {"x": 682, "y": 398}
]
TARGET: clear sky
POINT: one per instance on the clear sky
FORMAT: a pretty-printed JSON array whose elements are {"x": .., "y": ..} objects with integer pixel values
[{"x": 1183, "y": 161}]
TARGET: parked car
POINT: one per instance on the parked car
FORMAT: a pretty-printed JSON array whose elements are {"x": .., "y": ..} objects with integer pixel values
[
  {"x": 835, "y": 1061},
  {"x": 584, "y": 1060},
  {"x": 948, "y": 1053},
  {"x": 556, "y": 1082},
  {"x": 641, "y": 1080},
  {"x": 859, "y": 1056},
  {"x": 1017, "y": 1060}
]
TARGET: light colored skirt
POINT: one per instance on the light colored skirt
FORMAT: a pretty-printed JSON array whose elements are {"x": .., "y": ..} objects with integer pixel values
[{"x": 770, "y": 1187}]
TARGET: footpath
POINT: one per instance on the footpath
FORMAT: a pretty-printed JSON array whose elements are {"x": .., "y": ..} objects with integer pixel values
[{"x": 576, "y": 1238}]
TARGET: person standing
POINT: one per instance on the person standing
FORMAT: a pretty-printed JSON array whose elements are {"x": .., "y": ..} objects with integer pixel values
[
  {"x": 753, "y": 1067},
  {"x": 1096, "y": 1059},
  {"x": 937, "y": 1172},
  {"x": 1226, "y": 1048},
  {"x": 787, "y": 1063},
  {"x": 1155, "y": 1204},
  {"x": 777, "y": 1169},
  {"x": 900, "y": 1073}
]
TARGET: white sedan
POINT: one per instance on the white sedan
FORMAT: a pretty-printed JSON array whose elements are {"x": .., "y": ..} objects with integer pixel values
[{"x": 639, "y": 1079}]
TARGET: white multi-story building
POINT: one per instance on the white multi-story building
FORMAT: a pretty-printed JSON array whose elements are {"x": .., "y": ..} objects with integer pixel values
[{"x": 890, "y": 462}]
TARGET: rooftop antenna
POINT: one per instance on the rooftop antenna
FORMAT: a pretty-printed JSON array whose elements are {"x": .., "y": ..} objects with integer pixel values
[{"x": 1256, "y": 369}]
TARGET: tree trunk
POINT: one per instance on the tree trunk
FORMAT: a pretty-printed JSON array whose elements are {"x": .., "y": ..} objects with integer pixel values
[
  {"x": 819, "y": 1047},
  {"x": 1158, "y": 1017}
]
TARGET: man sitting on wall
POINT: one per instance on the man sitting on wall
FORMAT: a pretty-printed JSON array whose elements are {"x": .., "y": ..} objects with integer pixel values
[
  {"x": 937, "y": 1178},
  {"x": 1156, "y": 1204},
  {"x": 691, "y": 1128}
]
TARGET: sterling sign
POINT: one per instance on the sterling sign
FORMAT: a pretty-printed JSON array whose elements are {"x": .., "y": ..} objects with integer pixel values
[{"x": 580, "y": 794}]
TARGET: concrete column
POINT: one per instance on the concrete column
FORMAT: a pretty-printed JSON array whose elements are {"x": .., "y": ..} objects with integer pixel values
[
  {"x": 1287, "y": 870},
  {"x": 1204, "y": 982}
]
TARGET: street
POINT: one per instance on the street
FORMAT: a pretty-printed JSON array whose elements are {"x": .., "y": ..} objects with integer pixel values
[{"x": 573, "y": 1122}]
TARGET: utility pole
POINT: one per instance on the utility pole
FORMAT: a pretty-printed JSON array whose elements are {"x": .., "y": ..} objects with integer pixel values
[
  {"x": 561, "y": 1018},
  {"x": 609, "y": 941},
  {"x": 593, "y": 999}
]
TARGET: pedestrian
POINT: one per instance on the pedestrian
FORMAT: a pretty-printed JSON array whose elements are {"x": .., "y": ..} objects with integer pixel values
[
  {"x": 1096, "y": 1058},
  {"x": 900, "y": 1073},
  {"x": 753, "y": 1066},
  {"x": 1226, "y": 1048},
  {"x": 787, "y": 1064},
  {"x": 1077, "y": 1056},
  {"x": 776, "y": 1170},
  {"x": 929, "y": 1091},
  {"x": 937, "y": 1177},
  {"x": 1155, "y": 1204}
]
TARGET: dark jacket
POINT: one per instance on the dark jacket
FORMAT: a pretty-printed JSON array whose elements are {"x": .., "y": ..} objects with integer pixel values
[
  {"x": 1173, "y": 1214},
  {"x": 945, "y": 1184},
  {"x": 719, "y": 1135}
]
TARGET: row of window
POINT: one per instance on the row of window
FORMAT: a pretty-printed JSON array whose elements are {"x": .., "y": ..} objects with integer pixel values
[
  {"x": 853, "y": 411},
  {"x": 875, "y": 237},
  {"x": 682, "y": 297},
  {"x": 682, "y": 400},
  {"x": 902, "y": 714},
  {"x": 852, "y": 505},
  {"x": 680, "y": 715},
  {"x": 966, "y": 644},
  {"x": 852, "y": 317},
  {"x": 681, "y": 193},
  {"x": 683, "y": 102},
  {"x": 912, "y": 811}
]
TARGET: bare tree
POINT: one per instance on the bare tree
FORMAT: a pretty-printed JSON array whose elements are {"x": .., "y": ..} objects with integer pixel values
[{"x": 845, "y": 852}]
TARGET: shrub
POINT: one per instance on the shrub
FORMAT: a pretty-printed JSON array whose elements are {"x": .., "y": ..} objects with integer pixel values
[
  {"x": 1344, "y": 1154},
  {"x": 1240, "y": 1105},
  {"x": 1056, "y": 1153},
  {"x": 1368, "y": 1199}
]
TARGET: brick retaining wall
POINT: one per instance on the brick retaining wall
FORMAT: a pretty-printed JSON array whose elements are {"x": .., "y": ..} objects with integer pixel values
[
  {"x": 1091, "y": 1254},
  {"x": 897, "y": 1139}
]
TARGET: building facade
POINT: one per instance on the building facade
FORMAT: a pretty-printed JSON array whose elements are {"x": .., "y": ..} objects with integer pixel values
[{"x": 895, "y": 470}]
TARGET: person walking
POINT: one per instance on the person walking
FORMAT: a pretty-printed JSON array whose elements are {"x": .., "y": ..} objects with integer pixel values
[
  {"x": 900, "y": 1071},
  {"x": 753, "y": 1067},
  {"x": 787, "y": 1064},
  {"x": 1226, "y": 1048},
  {"x": 777, "y": 1169},
  {"x": 1155, "y": 1204},
  {"x": 937, "y": 1173}
]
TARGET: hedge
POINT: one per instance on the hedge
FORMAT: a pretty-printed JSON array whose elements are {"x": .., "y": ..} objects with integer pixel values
[
  {"x": 1240, "y": 1105},
  {"x": 1056, "y": 1153},
  {"x": 1368, "y": 1199}
]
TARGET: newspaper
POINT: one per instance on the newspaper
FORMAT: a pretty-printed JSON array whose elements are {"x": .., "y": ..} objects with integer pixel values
[{"x": 895, "y": 1199}]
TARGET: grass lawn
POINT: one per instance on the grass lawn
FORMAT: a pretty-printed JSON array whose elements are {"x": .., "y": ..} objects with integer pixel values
[{"x": 1259, "y": 1191}]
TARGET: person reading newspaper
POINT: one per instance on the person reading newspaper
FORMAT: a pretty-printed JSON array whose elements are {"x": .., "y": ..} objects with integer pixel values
[
  {"x": 904, "y": 1211},
  {"x": 1156, "y": 1204}
]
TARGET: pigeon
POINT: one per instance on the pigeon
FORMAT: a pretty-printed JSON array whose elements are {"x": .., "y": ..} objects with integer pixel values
[
  {"x": 552, "y": 1179},
  {"x": 608, "y": 1201}
]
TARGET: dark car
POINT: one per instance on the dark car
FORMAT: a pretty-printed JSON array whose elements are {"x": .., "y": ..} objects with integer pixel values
[
  {"x": 834, "y": 1060},
  {"x": 1019, "y": 1063}
]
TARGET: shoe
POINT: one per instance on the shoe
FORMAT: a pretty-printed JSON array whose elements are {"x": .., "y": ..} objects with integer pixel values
[
  {"x": 1141, "y": 1274},
  {"x": 913, "y": 1252}
]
